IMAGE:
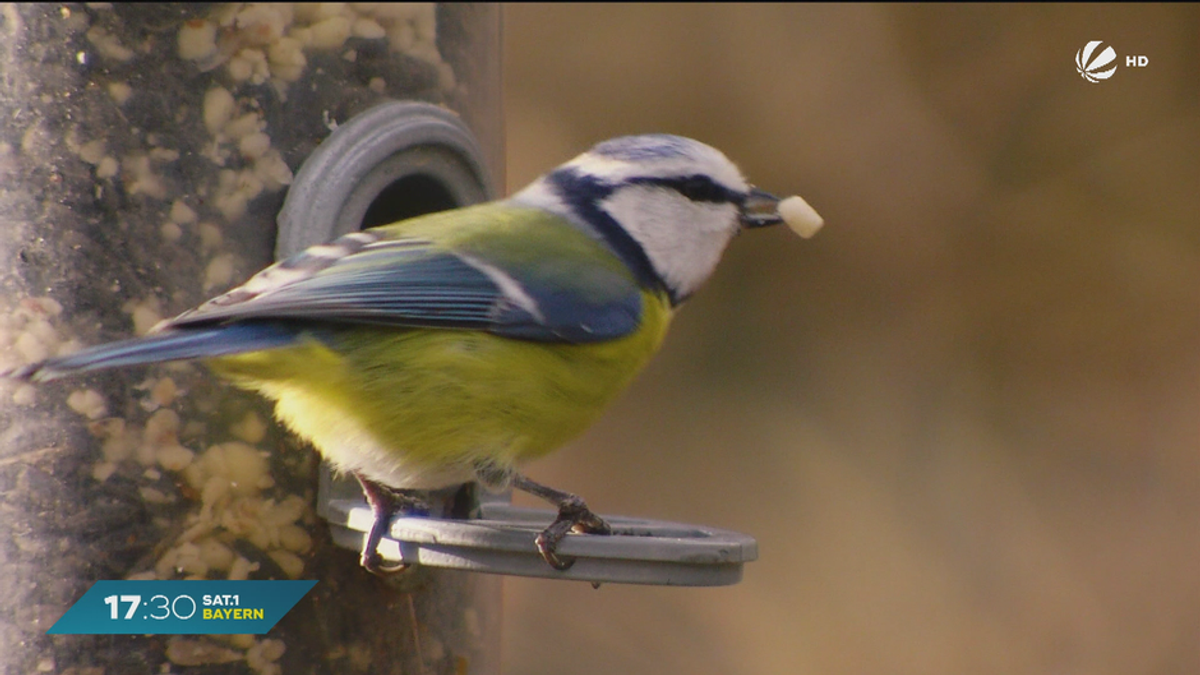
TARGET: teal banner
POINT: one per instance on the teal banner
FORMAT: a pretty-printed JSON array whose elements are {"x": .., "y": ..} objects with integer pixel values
[{"x": 181, "y": 607}]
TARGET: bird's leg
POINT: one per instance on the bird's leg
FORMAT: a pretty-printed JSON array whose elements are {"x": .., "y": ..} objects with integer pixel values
[
  {"x": 573, "y": 514},
  {"x": 385, "y": 503}
]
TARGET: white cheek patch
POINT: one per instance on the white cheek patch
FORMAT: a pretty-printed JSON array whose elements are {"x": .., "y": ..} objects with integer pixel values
[{"x": 683, "y": 239}]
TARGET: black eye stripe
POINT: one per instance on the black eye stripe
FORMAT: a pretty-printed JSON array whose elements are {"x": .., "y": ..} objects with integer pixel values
[{"x": 698, "y": 188}]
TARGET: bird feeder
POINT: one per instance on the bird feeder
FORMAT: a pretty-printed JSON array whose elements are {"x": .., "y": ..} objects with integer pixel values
[{"x": 145, "y": 155}]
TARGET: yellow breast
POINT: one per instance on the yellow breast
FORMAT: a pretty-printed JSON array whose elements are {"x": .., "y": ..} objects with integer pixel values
[{"x": 419, "y": 408}]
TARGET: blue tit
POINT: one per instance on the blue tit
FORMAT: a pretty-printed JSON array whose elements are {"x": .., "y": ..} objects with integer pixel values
[{"x": 457, "y": 346}]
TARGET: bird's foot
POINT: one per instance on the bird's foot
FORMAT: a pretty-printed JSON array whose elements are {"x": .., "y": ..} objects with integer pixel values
[
  {"x": 573, "y": 516},
  {"x": 385, "y": 504}
]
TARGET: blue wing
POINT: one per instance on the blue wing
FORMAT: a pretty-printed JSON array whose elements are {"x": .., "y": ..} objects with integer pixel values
[
  {"x": 545, "y": 283},
  {"x": 410, "y": 282}
]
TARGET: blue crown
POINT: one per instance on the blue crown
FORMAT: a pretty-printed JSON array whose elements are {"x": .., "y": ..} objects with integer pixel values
[{"x": 646, "y": 146}]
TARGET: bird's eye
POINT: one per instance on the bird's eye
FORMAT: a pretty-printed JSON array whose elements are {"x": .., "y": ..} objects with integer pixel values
[
  {"x": 701, "y": 189},
  {"x": 697, "y": 188}
]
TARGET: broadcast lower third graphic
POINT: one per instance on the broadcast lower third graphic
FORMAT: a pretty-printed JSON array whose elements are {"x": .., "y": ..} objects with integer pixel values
[
  {"x": 1097, "y": 61},
  {"x": 181, "y": 607}
]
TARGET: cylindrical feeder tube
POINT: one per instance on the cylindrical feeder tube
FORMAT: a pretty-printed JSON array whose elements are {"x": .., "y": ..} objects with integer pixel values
[{"x": 145, "y": 151}]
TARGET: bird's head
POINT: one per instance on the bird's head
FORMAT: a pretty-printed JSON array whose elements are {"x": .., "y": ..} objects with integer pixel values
[{"x": 667, "y": 205}]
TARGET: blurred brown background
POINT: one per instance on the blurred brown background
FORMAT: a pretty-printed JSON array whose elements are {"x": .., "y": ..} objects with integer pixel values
[{"x": 964, "y": 421}]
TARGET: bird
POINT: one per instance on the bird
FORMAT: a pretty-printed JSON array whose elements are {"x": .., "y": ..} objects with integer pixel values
[{"x": 459, "y": 345}]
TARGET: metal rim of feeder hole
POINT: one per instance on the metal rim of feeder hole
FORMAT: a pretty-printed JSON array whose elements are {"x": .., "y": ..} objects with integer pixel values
[
  {"x": 331, "y": 195},
  {"x": 361, "y": 159}
]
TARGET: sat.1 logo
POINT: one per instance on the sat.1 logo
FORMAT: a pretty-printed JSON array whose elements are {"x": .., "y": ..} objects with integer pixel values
[{"x": 1096, "y": 65}]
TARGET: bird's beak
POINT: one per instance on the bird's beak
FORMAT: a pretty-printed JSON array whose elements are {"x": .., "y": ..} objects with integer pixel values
[
  {"x": 760, "y": 209},
  {"x": 763, "y": 208}
]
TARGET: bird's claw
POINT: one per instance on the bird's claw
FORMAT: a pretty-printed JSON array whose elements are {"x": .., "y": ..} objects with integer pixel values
[
  {"x": 373, "y": 563},
  {"x": 385, "y": 503},
  {"x": 575, "y": 516},
  {"x": 546, "y": 547}
]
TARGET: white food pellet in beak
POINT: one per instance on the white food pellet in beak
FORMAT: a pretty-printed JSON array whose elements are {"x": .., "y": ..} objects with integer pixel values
[{"x": 799, "y": 216}]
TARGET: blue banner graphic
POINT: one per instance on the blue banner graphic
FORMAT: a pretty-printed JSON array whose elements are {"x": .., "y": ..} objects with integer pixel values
[{"x": 181, "y": 607}]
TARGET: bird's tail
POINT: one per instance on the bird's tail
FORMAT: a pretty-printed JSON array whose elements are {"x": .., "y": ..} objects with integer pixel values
[{"x": 190, "y": 343}]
